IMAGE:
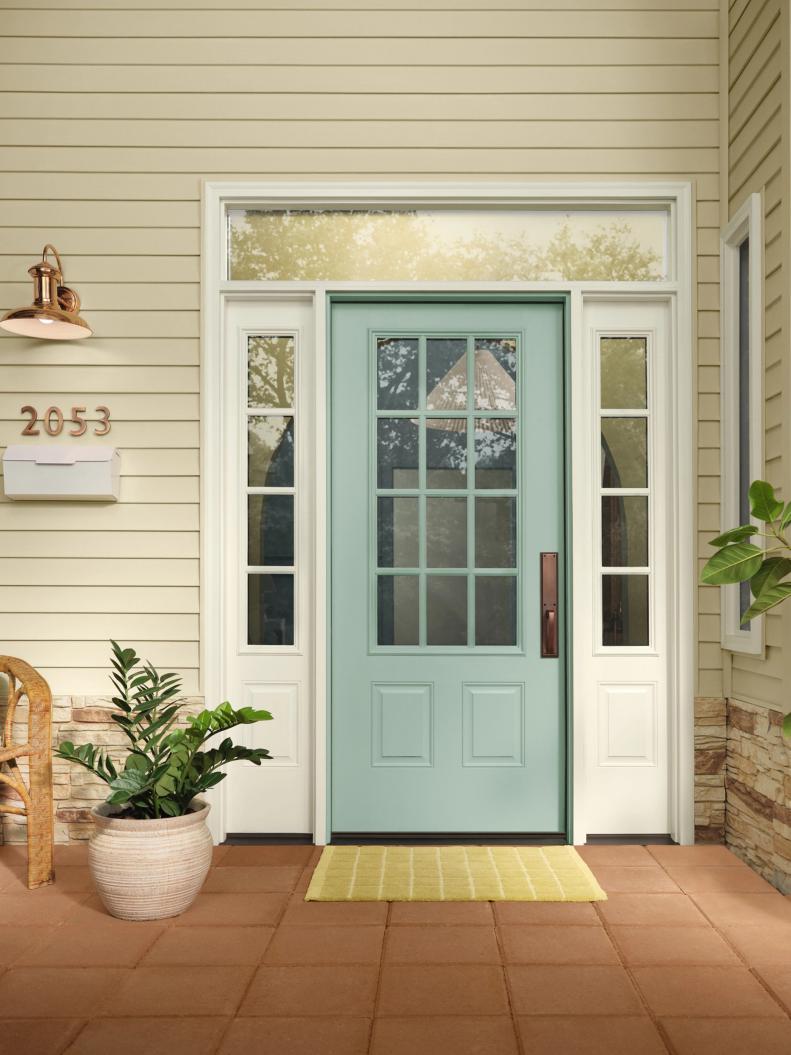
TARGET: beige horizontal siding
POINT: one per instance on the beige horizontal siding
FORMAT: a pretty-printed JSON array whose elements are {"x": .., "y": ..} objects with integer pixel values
[{"x": 111, "y": 114}]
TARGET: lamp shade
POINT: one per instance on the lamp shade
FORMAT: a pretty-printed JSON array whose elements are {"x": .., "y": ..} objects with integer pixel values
[{"x": 54, "y": 313}]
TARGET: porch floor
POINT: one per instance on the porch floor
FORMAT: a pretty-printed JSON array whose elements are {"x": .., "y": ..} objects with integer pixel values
[{"x": 691, "y": 954}]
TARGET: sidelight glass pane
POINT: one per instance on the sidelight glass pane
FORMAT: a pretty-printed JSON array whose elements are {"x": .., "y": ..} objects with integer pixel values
[
  {"x": 624, "y": 531},
  {"x": 495, "y": 610},
  {"x": 446, "y": 452},
  {"x": 624, "y": 452},
  {"x": 495, "y": 532},
  {"x": 495, "y": 373},
  {"x": 397, "y": 533},
  {"x": 270, "y": 451},
  {"x": 397, "y": 373},
  {"x": 495, "y": 453},
  {"x": 446, "y": 609},
  {"x": 270, "y": 609},
  {"x": 397, "y": 452},
  {"x": 625, "y": 610},
  {"x": 270, "y": 371},
  {"x": 623, "y": 373},
  {"x": 446, "y": 373},
  {"x": 270, "y": 529},
  {"x": 446, "y": 532},
  {"x": 398, "y": 610}
]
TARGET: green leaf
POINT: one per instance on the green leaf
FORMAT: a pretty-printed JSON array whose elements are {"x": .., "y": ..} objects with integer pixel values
[
  {"x": 787, "y": 726},
  {"x": 785, "y": 519},
  {"x": 732, "y": 564},
  {"x": 769, "y": 598},
  {"x": 771, "y": 572},
  {"x": 737, "y": 534},
  {"x": 763, "y": 503}
]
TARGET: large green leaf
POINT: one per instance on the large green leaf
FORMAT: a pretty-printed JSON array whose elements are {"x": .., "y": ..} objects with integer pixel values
[
  {"x": 770, "y": 597},
  {"x": 737, "y": 534},
  {"x": 771, "y": 572},
  {"x": 785, "y": 519},
  {"x": 732, "y": 564},
  {"x": 763, "y": 503},
  {"x": 787, "y": 726}
]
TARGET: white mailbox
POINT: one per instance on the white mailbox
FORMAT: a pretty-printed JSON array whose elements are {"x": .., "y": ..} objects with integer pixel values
[{"x": 51, "y": 473}]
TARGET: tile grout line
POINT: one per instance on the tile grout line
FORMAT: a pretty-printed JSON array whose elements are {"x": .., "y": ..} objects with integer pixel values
[
  {"x": 378, "y": 991},
  {"x": 508, "y": 993}
]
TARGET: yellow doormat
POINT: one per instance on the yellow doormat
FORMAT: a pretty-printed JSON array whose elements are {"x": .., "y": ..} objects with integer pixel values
[{"x": 453, "y": 873}]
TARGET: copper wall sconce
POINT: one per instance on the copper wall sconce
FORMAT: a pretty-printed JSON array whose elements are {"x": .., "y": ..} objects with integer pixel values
[{"x": 54, "y": 313}]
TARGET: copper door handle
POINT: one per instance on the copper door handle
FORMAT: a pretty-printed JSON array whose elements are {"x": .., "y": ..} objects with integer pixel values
[{"x": 549, "y": 605}]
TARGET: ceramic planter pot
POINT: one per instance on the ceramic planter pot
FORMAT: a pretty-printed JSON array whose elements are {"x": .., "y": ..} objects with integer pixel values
[{"x": 149, "y": 869}]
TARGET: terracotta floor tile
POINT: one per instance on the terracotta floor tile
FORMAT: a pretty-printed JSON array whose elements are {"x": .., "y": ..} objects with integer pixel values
[
  {"x": 73, "y": 945},
  {"x": 460, "y": 1035},
  {"x": 707, "y": 880},
  {"x": 36, "y": 1036},
  {"x": 73, "y": 878},
  {"x": 218, "y": 853},
  {"x": 572, "y": 991},
  {"x": 552, "y": 913},
  {"x": 733, "y": 909},
  {"x": 176, "y": 991},
  {"x": 614, "y": 855},
  {"x": 696, "y": 856},
  {"x": 13, "y": 880},
  {"x": 650, "y": 879},
  {"x": 442, "y": 990},
  {"x": 704, "y": 992},
  {"x": 300, "y": 991},
  {"x": 778, "y": 978},
  {"x": 665, "y": 946},
  {"x": 297, "y": 1036},
  {"x": 71, "y": 854},
  {"x": 234, "y": 910},
  {"x": 582, "y": 945},
  {"x": 651, "y": 910},
  {"x": 35, "y": 908},
  {"x": 441, "y": 943},
  {"x": 475, "y": 913},
  {"x": 194, "y": 1035},
  {"x": 314, "y": 944},
  {"x": 266, "y": 856},
  {"x": 338, "y": 913},
  {"x": 729, "y": 1036},
  {"x": 57, "y": 992},
  {"x": 599, "y": 1035},
  {"x": 14, "y": 941},
  {"x": 212, "y": 945},
  {"x": 246, "y": 880},
  {"x": 13, "y": 856},
  {"x": 762, "y": 944}
]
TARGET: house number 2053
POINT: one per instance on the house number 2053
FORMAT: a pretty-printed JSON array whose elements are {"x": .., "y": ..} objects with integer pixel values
[{"x": 53, "y": 421}]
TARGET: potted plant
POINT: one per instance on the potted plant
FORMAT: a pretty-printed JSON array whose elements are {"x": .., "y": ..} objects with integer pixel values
[
  {"x": 151, "y": 848},
  {"x": 765, "y": 567}
]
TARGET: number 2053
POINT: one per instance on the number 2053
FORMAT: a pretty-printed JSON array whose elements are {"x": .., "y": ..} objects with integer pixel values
[{"x": 54, "y": 421}]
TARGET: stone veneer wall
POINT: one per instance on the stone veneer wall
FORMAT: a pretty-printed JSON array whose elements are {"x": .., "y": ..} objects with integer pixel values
[
  {"x": 710, "y": 749},
  {"x": 758, "y": 785}
]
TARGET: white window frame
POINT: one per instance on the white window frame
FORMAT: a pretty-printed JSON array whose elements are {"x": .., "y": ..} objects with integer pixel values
[{"x": 747, "y": 223}]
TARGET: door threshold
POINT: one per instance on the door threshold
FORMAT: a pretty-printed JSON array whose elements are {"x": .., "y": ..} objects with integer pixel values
[
  {"x": 448, "y": 838},
  {"x": 268, "y": 839},
  {"x": 630, "y": 840}
]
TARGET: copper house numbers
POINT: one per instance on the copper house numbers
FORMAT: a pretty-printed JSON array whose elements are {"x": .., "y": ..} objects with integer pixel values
[{"x": 54, "y": 421}]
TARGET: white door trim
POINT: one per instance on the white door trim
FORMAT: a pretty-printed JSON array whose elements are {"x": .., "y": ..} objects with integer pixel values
[{"x": 217, "y": 290}]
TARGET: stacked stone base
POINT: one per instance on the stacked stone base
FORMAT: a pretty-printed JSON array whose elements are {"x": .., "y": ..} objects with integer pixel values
[{"x": 710, "y": 740}]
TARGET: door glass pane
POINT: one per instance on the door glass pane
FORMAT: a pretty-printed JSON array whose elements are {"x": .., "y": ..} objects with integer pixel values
[
  {"x": 624, "y": 531},
  {"x": 625, "y": 610},
  {"x": 398, "y": 616},
  {"x": 396, "y": 366},
  {"x": 446, "y": 452},
  {"x": 495, "y": 532},
  {"x": 624, "y": 452},
  {"x": 270, "y": 451},
  {"x": 397, "y": 452},
  {"x": 270, "y": 529},
  {"x": 446, "y": 532},
  {"x": 446, "y": 609},
  {"x": 446, "y": 373},
  {"x": 398, "y": 536},
  {"x": 495, "y": 373},
  {"x": 495, "y": 453},
  {"x": 623, "y": 373},
  {"x": 495, "y": 610},
  {"x": 270, "y": 371},
  {"x": 270, "y": 609}
]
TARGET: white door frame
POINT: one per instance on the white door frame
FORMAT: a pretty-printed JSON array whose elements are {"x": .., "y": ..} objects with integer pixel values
[{"x": 217, "y": 290}]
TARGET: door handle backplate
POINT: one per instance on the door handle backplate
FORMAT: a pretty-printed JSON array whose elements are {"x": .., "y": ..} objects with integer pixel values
[{"x": 549, "y": 605}]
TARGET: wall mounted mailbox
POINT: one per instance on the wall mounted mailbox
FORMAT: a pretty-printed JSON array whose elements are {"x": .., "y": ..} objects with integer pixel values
[{"x": 72, "y": 474}]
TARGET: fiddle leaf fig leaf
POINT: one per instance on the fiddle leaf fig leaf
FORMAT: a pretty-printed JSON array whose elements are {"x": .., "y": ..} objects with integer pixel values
[
  {"x": 737, "y": 534},
  {"x": 769, "y": 598},
  {"x": 763, "y": 503},
  {"x": 732, "y": 564},
  {"x": 787, "y": 726},
  {"x": 771, "y": 572},
  {"x": 785, "y": 519}
]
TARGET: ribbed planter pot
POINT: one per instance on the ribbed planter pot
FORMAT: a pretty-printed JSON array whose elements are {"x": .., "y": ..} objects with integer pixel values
[{"x": 149, "y": 869}]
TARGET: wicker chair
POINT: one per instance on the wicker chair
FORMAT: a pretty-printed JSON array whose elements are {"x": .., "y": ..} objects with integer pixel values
[{"x": 36, "y": 796}]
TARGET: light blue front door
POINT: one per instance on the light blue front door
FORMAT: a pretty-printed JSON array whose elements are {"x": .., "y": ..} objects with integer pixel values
[{"x": 447, "y": 485}]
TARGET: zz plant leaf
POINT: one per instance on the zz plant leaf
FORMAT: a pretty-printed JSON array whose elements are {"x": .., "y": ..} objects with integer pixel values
[{"x": 166, "y": 765}]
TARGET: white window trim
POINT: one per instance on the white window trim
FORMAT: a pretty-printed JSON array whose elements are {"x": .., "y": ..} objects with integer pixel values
[
  {"x": 217, "y": 290},
  {"x": 747, "y": 222}
]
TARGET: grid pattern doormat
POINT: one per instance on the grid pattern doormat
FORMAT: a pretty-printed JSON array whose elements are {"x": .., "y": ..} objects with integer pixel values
[{"x": 453, "y": 873}]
